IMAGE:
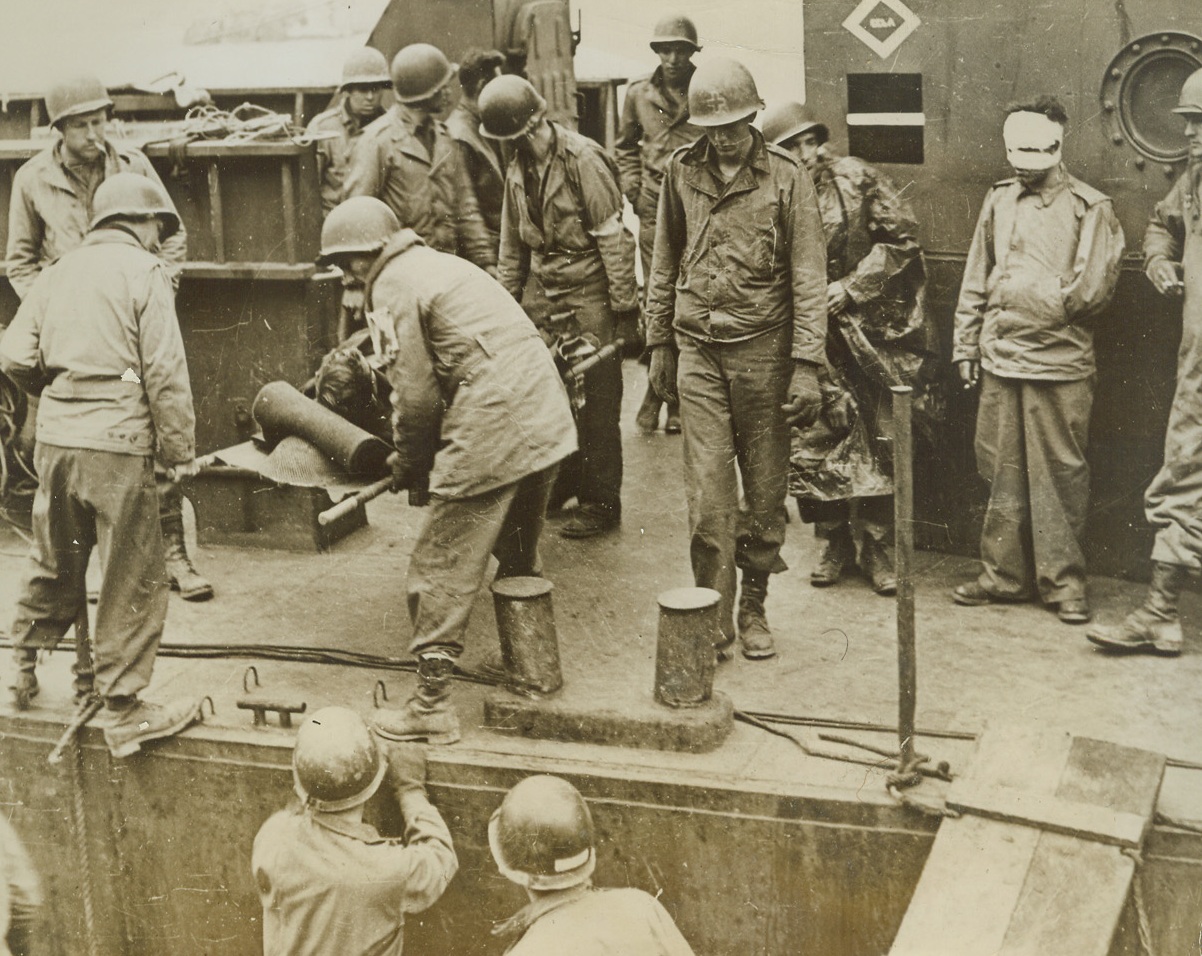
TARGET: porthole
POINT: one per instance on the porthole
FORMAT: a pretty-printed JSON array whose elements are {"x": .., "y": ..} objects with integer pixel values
[{"x": 1140, "y": 89}]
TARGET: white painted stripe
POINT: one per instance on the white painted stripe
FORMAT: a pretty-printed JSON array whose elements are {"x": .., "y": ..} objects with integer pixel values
[{"x": 886, "y": 119}]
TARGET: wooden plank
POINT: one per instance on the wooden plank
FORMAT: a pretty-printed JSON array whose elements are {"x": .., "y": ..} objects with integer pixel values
[
  {"x": 970, "y": 884},
  {"x": 1053, "y": 814},
  {"x": 1072, "y": 901},
  {"x": 997, "y": 888}
]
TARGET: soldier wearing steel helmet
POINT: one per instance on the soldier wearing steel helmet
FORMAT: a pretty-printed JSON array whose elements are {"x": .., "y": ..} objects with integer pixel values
[
  {"x": 543, "y": 839},
  {"x": 466, "y": 366},
  {"x": 738, "y": 283},
  {"x": 655, "y": 123},
  {"x": 49, "y": 215},
  {"x": 408, "y": 159},
  {"x": 877, "y": 338},
  {"x": 365, "y": 77},
  {"x": 97, "y": 338},
  {"x": 1173, "y": 264},
  {"x": 329, "y": 883},
  {"x": 564, "y": 247}
]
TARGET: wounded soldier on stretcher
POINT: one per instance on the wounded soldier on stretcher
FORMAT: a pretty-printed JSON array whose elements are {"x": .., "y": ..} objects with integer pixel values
[{"x": 350, "y": 384}]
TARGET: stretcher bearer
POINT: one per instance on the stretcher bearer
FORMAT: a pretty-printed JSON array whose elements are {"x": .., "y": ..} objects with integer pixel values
[
  {"x": 655, "y": 123},
  {"x": 564, "y": 248},
  {"x": 1043, "y": 263},
  {"x": 1173, "y": 263},
  {"x": 96, "y": 337},
  {"x": 49, "y": 215},
  {"x": 738, "y": 283}
]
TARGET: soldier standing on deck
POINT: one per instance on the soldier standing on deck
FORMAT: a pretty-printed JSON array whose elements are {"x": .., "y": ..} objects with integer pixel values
[
  {"x": 1173, "y": 263},
  {"x": 365, "y": 77},
  {"x": 1044, "y": 259},
  {"x": 564, "y": 247},
  {"x": 408, "y": 159},
  {"x": 482, "y": 156},
  {"x": 655, "y": 123},
  {"x": 877, "y": 338},
  {"x": 49, "y": 215},
  {"x": 97, "y": 338},
  {"x": 739, "y": 279}
]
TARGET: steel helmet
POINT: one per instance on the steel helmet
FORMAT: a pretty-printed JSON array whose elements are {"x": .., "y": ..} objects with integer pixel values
[
  {"x": 419, "y": 71},
  {"x": 1191, "y": 94},
  {"x": 130, "y": 196},
  {"x": 336, "y": 763},
  {"x": 507, "y": 105},
  {"x": 783, "y": 122},
  {"x": 674, "y": 29},
  {"x": 75, "y": 96},
  {"x": 541, "y": 836},
  {"x": 721, "y": 92},
  {"x": 366, "y": 67},
  {"x": 359, "y": 224}
]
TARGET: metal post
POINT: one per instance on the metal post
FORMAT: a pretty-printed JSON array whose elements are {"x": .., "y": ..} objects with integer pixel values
[
  {"x": 529, "y": 641},
  {"x": 903, "y": 518},
  {"x": 684, "y": 652}
]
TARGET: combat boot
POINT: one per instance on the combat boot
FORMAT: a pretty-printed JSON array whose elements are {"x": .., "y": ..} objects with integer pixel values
[
  {"x": 182, "y": 575},
  {"x": 25, "y": 684},
  {"x": 1155, "y": 626},
  {"x": 754, "y": 634},
  {"x": 129, "y": 722},
  {"x": 428, "y": 714},
  {"x": 839, "y": 552},
  {"x": 877, "y": 564}
]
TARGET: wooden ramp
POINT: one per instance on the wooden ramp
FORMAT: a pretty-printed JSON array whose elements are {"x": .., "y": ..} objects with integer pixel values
[{"x": 1040, "y": 861}]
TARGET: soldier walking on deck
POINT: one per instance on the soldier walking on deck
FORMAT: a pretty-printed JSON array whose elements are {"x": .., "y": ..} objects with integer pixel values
[
  {"x": 408, "y": 159},
  {"x": 1044, "y": 260},
  {"x": 542, "y": 838},
  {"x": 877, "y": 338},
  {"x": 564, "y": 248},
  {"x": 49, "y": 215},
  {"x": 1173, "y": 264},
  {"x": 655, "y": 123},
  {"x": 480, "y": 419},
  {"x": 739, "y": 279},
  {"x": 365, "y": 77},
  {"x": 97, "y": 338},
  {"x": 329, "y": 883}
]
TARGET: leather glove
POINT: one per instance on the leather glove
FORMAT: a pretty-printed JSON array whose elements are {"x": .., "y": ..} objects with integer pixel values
[
  {"x": 840, "y": 413},
  {"x": 662, "y": 374},
  {"x": 805, "y": 398},
  {"x": 406, "y": 768},
  {"x": 629, "y": 331}
]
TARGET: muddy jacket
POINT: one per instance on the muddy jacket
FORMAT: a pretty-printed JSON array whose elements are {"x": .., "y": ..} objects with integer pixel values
[
  {"x": 331, "y": 887},
  {"x": 334, "y": 152},
  {"x": 568, "y": 231},
  {"x": 1040, "y": 265},
  {"x": 483, "y": 164},
  {"x": 430, "y": 194},
  {"x": 50, "y": 212},
  {"x": 880, "y": 340},
  {"x": 97, "y": 336},
  {"x": 477, "y": 402},
  {"x": 653, "y": 127},
  {"x": 586, "y": 921},
  {"x": 734, "y": 260}
]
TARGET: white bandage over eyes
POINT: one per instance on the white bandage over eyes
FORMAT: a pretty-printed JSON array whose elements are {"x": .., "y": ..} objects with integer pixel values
[{"x": 1032, "y": 140}]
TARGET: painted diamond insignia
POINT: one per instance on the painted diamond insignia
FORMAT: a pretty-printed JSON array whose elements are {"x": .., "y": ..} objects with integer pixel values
[{"x": 882, "y": 25}]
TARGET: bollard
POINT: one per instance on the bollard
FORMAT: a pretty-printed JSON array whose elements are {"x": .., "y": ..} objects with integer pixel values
[
  {"x": 684, "y": 653},
  {"x": 529, "y": 643}
]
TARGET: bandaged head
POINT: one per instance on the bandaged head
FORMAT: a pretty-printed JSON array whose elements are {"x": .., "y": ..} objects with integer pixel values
[{"x": 1033, "y": 141}]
